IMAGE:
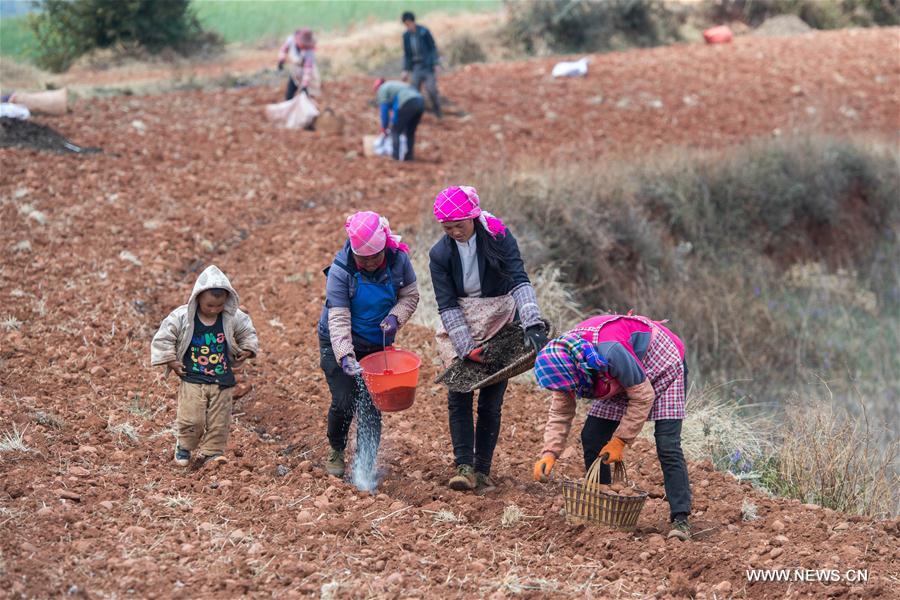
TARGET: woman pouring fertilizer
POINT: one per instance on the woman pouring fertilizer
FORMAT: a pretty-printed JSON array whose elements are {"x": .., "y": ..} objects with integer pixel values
[
  {"x": 371, "y": 292},
  {"x": 480, "y": 285},
  {"x": 633, "y": 369}
]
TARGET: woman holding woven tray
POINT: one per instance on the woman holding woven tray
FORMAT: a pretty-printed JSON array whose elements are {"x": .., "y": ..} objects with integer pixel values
[
  {"x": 480, "y": 284},
  {"x": 633, "y": 369}
]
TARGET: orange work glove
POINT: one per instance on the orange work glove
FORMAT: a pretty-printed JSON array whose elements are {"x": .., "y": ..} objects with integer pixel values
[
  {"x": 543, "y": 467},
  {"x": 613, "y": 451}
]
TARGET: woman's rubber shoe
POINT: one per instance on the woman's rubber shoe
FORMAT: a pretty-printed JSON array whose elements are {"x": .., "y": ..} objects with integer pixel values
[
  {"x": 335, "y": 463},
  {"x": 182, "y": 456},
  {"x": 464, "y": 479},
  {"x": 681, "y": 530},
  {"x": 484, "y": 484}
]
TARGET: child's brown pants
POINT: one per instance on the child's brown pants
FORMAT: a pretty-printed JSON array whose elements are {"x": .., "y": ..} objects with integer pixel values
[{"x": 204, "y": 417}]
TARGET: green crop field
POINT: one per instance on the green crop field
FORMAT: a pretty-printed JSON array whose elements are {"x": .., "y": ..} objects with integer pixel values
[
  {"x": 243, "y": 21},
  {"x": 15, "y": 37},
  {"x": 249, "y": 21}
]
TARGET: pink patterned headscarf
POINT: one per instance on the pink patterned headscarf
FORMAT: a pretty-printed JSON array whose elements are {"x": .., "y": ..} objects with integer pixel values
[
  {"x": 370, "y": 233},
  {"x": 459, "y": 202}
]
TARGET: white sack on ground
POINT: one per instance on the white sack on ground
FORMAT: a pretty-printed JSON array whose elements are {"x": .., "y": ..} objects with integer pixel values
[
  {"x": 297, "y": 113},
  {"x": 384, "y": 146},
  {"x": 576, "y": 68},
  {"x": 14, "y": 111}
]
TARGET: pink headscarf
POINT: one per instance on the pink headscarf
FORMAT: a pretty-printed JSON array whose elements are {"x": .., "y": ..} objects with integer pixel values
[
  {"x": 459, "y": 202},
  {"x": 370, "y": 233}
]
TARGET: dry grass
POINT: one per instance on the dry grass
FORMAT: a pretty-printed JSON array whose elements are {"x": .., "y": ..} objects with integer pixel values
[
  {"x": 721, "y": 427},
  {"x": 10, "y": 323},
  {"x": 15, "y": 75},
  {"x": 14, "y": 441},
  {"x": 330, "y": 590},
  {"x": 749, "y": 511},
  {"x": 180, "y": 502},
  {"x": 830, "y": 458},
  {"x": 444, "y": 516},
  {"x": 512, "y": 514},
  {"x": 123, "y": 430}
]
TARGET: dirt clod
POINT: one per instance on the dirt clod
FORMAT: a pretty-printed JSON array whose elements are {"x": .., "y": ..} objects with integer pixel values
[
  {"x": 68, "y": 495},
  {"x": 723, "y": 587}
]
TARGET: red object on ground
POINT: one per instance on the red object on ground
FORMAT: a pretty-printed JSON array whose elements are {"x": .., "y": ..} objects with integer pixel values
[
  {"x": 392, "y": 377},
  {"x": 718, "y": 35}
]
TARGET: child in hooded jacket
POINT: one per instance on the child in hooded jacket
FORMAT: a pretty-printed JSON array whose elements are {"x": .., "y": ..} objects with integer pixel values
[{"x": 204, "y": 342}]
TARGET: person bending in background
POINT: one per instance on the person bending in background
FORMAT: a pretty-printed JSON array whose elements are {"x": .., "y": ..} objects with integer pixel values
[
  {"x": 633, "y": 369},
  {"x": 406, "y": 105},
  {"x": 421, "y": 60},
  {"x": 370, "y": 293},
  {"x": 481, "y": 285},
  {"x": 299, "y": 51}
]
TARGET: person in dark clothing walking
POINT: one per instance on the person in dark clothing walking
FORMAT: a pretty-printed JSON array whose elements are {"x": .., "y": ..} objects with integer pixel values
[
  {"x": 421, "y": 60},
  {"x": 407, "y": 106},
  {"x": 480, "y": 285}
]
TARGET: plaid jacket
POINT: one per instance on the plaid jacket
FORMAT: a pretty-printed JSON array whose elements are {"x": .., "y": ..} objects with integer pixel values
[{"x": 664, "y": 367}]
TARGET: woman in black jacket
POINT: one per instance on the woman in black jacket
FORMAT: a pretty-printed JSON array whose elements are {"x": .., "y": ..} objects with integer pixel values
[{"x": 480, "y": 284}]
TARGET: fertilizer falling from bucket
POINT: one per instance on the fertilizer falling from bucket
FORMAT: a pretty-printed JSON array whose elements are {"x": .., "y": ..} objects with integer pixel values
[{"x": 368, "y": 438}]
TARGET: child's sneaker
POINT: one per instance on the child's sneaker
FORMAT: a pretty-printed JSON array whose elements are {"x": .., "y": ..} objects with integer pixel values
[
  {"x": 182, "y": 456},
  {"x": 335, "y": 463}
]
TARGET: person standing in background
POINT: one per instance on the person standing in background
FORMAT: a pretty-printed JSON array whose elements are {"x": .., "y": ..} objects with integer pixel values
[{"x": 421, "y": 60}]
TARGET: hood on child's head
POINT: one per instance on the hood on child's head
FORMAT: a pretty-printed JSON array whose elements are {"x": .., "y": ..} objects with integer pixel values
[{"x": 212, "y": 277}]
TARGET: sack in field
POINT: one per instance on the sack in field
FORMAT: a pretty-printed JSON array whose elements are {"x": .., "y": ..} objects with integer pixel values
[
  {"x": 576, "y": 68},
  {"x": 383, "y": 145},
  {"x": 53, "y": 102},
  {"x": 297, "y": 113},
  {"x": 14, "y": 111}
]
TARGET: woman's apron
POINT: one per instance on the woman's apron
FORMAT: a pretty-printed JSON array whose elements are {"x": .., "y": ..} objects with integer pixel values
[
  {"x": 485, "y": 318},
  {"x": 369, "y": 306}
]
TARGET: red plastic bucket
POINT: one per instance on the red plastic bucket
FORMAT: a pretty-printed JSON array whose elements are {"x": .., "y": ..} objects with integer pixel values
[{"x": 394, "y": 388}]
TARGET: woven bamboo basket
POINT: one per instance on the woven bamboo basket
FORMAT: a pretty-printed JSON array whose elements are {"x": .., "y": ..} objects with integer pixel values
[{"x": 585, "y": 503}]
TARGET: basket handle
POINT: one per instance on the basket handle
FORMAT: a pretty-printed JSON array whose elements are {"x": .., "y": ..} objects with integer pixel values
[
  {"x": 619, "y": 473},
  {"x": 593, "y": 474}
]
